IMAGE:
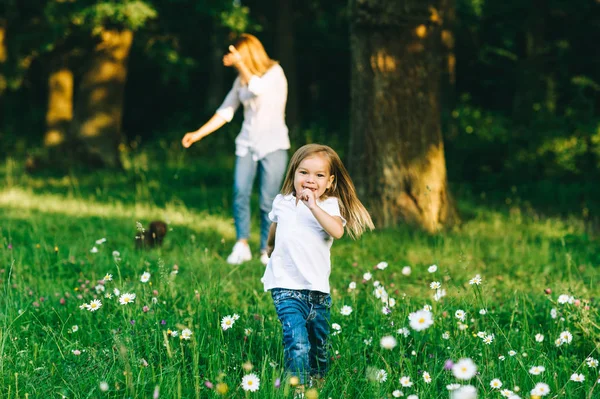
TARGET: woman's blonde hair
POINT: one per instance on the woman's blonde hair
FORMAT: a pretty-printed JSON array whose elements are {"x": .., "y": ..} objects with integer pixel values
[
  {"x": 357, "y": 218},
  {"x": 253, "y": 53}
]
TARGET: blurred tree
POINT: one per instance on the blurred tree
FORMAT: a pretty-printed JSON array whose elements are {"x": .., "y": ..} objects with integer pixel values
[{"x": 396, "y": 148}]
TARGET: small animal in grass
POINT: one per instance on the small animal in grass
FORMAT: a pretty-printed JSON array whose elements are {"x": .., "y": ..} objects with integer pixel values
[{"x": 151, "y": 237}]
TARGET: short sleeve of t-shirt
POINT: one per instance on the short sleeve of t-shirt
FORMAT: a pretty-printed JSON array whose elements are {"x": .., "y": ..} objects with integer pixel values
[
  {"x": 273, "y": 215},
  {"x": 332, "y": 207}
]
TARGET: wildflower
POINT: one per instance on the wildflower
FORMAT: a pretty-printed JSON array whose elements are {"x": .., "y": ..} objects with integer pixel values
[
  {"x": 420, "y": 320},
  {"x": 464, "y": 392},
  {"x": 460, "y": 314},
  {"x": 99, "y": 288},
  {"x": 101, "y": 241},
  {"x": 482, "y": 312},
  {"x": 404, "y": 331},
  {"x": 452, "y": 387},
  {"x": 337, "y": 328},
  {"x": 511, "y": 353},
  {"x": 145, "y": 309},
  {"x": 385, "y": 310},
  {"x": 126, "y": 298},
  {"x": 406, "y": 270},
  {"x": 427, "y": 308},
  {"x": 412, "y": 397},
  {"x": 145, "y": 277},
  {"x": 367, "y": 276},
  {"x": 235, "y": 316},
  {"x": 94, "y": 250},
  {"x": 186, "y": 333},
  {"x": 382, "y": 265},
  {"x": 397, "y": 393},
  {"x": 488, "y": 339},
  {"x": 464, "y": 369},
  {"x": 426, "y": 377},
  {"x": 116, "y": 292},
  {"x": 506, "y": 393},
  {"x": 496, "y": 383},
  {"x": 566, "y": 337},
  {"x": 368, "y": 341},
  {"x": 591, "y": 362},
  {"x": 75, "y": 328},
  {"x": 346, "y": 310},
  {"x": 248, "y": 331},
  {"x": 104, "y": 386},
  {"x": 432, "y": 269},
  {"x": 435, "y": 285},
  {"x": 577, "y": 377},
  {"x": 553, "y": 313},
  {"x": 540, "y": 389},
  {"x": 446, "y": 335},
  {"x": 227, "y": 322},
  {"x": 537, "y": 370},
  {"x": 501, "y": 358},
  {"x": 391, "y": 302},
  {"x": 381, "y": 376},
  {"x": 564, "y": 298},
  {"x": 405, "y": 382},
  {"x": 76, "y": 352},
  {"x": 539, "y": 337},
  {"x": 388, "y": 342},
  {"x": 475, "y": 280},
  {"x": 352, "y": 285},
  {"x": 108, "y": 277},
  {"x": 481, "y": 334},
  {"x": 94, "y": 305},
  {"x": 250, "y": 382},
  {"x": 439, "y": 294},
  {"x": 380, "y": 292}
]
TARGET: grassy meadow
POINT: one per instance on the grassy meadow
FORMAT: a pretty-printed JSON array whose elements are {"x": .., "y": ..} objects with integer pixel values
[{"x": 197, "y": 325}]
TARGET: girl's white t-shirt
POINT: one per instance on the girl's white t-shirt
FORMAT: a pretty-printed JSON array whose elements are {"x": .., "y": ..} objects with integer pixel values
[
  {"x": 264, "y": 97},
  {"x": 301, "y": 258}
]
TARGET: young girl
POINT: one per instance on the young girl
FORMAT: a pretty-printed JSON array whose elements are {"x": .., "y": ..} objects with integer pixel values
[{"x": 317, "y": 201}]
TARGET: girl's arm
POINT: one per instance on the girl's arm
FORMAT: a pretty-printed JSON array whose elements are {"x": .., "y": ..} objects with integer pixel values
[
  {"x": 271, "y": 239},
  {"x": 331, "y": 224}
]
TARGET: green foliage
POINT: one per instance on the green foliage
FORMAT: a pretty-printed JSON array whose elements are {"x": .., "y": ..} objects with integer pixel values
[{"x": 131, "y": 14}]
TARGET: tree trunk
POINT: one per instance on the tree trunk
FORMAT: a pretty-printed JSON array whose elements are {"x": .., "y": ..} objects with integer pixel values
[
  {"x": 396, "y": 148},
  {"x": 60, "y": 106},
  {"x": 287, "y": 57},
  {"x": 3, "y": 57},
  {"x": 99, "y": 107}
]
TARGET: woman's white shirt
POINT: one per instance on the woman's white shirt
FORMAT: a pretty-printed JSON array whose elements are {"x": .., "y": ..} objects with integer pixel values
[
  {"x": 301, "y": 258},
  {"x": 264, "y": 98}
]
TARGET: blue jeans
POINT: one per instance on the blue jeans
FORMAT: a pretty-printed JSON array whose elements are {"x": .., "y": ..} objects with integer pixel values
[
  {"x": 304, "y": 316},
  {"x": 271, "y": 170}
]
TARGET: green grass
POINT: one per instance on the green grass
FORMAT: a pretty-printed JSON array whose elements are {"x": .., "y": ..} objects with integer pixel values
[{"x": 50, "y": 224}]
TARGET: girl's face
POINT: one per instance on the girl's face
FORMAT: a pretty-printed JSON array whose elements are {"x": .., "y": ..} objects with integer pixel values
[{"x": 313, "y": 173}]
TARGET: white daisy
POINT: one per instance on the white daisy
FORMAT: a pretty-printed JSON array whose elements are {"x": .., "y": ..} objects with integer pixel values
[
  {"x": 591, "y": 362},
  {"x": 537, "y": 370},
  {"x": 101, "y": 241},
  {"x": 367, "y": 276},
  {"x": 227, "y": 322},
  {"x": 75, "y": 328},
  {"x": 475, "y": 280},
  {"x": 566, "y": 337},
  {"x": 432, "y": 269},
  {"x": 382, "y": 265},
  {"x": 94, "y": 250},
  {"x": 352, "y": 285},
  {"x": 388, "y": 342},
  {"x": 346, "y": 310},
  {"x": 126, "y": 298},
  {"x": 511, "y": 353},
  {"x": 186, "y": 333},
  {"x": 381, "y": 376},
  {"x": 483, "y": 311},
  {"x": 94, "y": 305},
  {"x": 426, "y": 377},
  {"x": 145, "y": 277},
  {"x": 397, "y": 393},
  {"x": 406, "y": 270},
  {"x": 435, "y": 285},
  {"x": 251, "y": 382},
  {"x": 420, "y": 320},
  {"x": 446, "y": 335},
  {"x": 452, "y": 387},
  {"x": 540, "y": 389},
  {"x": 488, "y": 339},
  {"x": 460, "y": 314},
  {"x": 577, "y": 377},
  {"x": 539, "y": 337},
  {"x": 439, "y": 294},
  {"x": 496, "y": 383},
  {"x": 464, "y": 369},
  {"x": 406, "y": 382},
  {"x": 404, "y": 331},
  {"x": 464, "y": 392},
  {"x": 108, "y": 277}
]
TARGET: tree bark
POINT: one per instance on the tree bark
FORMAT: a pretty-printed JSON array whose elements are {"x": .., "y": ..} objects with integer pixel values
[
  {"x": 396, "y": 149},
  {"x": 60, "y": 106},
  {"x": 99, "y": 107}
]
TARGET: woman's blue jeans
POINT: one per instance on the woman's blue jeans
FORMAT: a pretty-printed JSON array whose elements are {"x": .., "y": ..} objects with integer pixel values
[
  {"x": 304, "y": 316},
  {"x": 271, "y": 170}
]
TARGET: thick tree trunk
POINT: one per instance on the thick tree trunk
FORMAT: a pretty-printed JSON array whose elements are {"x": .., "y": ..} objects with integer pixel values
[
  {"x": 60, "y": 106},
  {"x": 99, "y": 107},
  {"x": 287, "y": 57},
  {"x": 396, "y": 148}
]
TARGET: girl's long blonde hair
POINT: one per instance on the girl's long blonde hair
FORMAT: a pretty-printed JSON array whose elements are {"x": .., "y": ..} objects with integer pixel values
[
  {"x": 253, "y": 53},
  {"x": 357, "y": 218}
]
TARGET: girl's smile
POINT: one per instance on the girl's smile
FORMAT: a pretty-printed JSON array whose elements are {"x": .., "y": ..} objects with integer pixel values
[{"x": 313, "y": 174}]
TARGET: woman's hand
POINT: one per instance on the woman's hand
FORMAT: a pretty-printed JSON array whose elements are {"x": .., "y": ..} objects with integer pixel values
[
  {"x": 190, "y": 138},
  {"x": 232, "y": 58}
]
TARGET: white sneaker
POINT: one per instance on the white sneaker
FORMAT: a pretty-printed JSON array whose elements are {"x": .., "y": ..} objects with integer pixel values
[
  {"x": 264, "y": 258},
  {"x": 240, "y": 254}
]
